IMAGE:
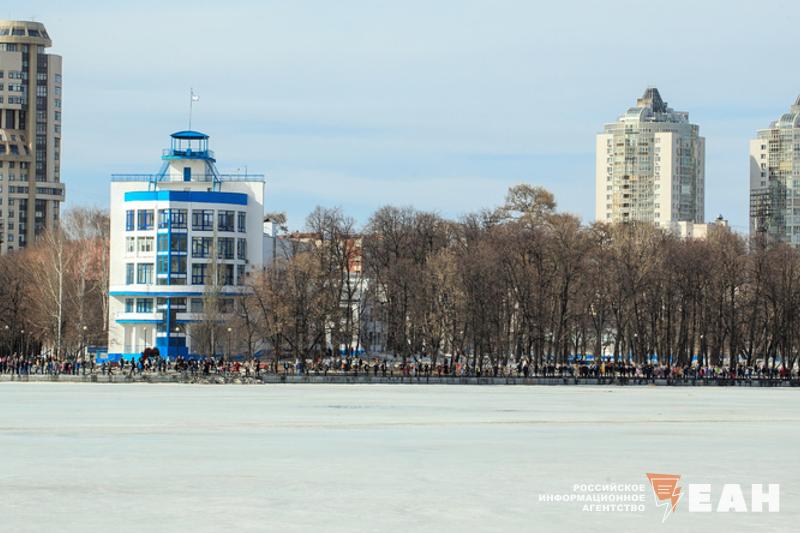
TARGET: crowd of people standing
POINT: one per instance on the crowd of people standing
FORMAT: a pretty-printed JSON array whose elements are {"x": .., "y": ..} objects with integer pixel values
[
  {"x": 16, "y": 364},
  {"x": 42, "y": 365}
]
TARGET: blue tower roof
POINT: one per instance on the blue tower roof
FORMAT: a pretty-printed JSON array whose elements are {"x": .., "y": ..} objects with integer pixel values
[
  {"x": 189, "y": 135},
  {"x": 188, "y": 144}
]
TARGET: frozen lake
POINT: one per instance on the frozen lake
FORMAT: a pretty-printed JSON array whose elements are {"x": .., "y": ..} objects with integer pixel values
[{"x": 199, "y": 458}]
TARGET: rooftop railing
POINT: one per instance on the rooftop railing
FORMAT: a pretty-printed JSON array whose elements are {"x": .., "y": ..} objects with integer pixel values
[
  {"x": 201, "y": 178},
  {"x": 189, "y": 154}
]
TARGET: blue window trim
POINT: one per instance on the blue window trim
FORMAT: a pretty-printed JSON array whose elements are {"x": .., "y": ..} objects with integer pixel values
[
  {"x": 142, "y": 277},
  {"x": 145, "y": 219},
  {"x": 201, "y": 247},
  {"x": 202, "y": 219},
  {"x": 144, "y": 305},
  {"x": 226, "y": 221},
  {"x": 199, "y": 279},
  {"x": 210, "y": 197}
]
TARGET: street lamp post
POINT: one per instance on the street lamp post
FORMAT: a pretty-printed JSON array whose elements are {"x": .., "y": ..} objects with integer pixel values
[
  {"x": 229, "y": 343},
  {"x": 84, "y": 359},
  {"x": 166, "y": 355},
  {"x": 702, "y": 359}
]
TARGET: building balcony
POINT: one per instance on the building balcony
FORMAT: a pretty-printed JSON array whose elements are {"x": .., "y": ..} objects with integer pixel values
[
  {"x": 53, "y": 191},
  {"x": 133, "y": 318},
  {"x": 171, "y": 291}
]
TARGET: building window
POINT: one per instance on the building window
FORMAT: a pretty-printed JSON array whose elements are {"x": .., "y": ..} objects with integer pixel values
[
  {"x": 178, "y": 243},
  {"x": 163, "y": 218},
  {"x": 202, "y": 219},
  {"x": 144, "y": 273},
  {"x": 129, "y": 305},
  {"x": 241, "y": 248},
  {"x": 178, "y": 264},
  {"x": 129, "y": 269},
  {"x": 172, "y": 218},
  {"x": 130, "y": 245},
  {"x": 240, "y": 275},
  {"x": 163, "y": 267},
  {"x": 199, "y": 273},
  {"x": 226, "y": 305},
  {"x": 144, "y": 219},
  {"x": 225, "y": 221},
  {"x": 129, "y": 220},
  {"x": 201, "y": 246},
  {"x": 196, "y": 305},
  {"x": 225, "y": 274},
  {"x": 241, "y": 221},
  {"x": 225, "y": 247},
  {"x": 177, "y": 218},
  {"x": 163, "y": 242},
  {"x": 144, "y": 305},
  {"x": 145, "y": 245}
]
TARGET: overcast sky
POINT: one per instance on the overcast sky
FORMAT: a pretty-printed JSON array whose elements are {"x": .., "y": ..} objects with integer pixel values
[{"x": 439, "y": 104}]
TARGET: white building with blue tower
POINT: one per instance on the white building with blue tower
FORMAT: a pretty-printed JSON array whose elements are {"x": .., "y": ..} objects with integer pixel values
[{"x": 176, "y": 237}]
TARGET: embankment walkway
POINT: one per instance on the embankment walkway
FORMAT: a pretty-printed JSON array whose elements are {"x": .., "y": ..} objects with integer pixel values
[{"x": 276, "y": 379}]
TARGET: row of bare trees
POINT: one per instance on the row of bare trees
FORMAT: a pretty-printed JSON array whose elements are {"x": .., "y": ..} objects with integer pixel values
[
  {"x": 522, "y": 280},
  {"x": 54, "y": 295},
  {"x": 525, "y": 281},
  {"x": 310, "y": 300}
]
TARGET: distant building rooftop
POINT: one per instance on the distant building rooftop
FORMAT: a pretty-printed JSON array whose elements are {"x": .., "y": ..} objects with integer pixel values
[{"x": 24, "y": 31}]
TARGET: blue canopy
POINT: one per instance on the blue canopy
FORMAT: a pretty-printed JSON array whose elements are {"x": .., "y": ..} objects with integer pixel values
[{"x": 189, "y": 135}]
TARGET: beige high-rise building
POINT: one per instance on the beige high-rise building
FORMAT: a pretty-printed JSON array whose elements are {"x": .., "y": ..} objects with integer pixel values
[
  {"x": 775, "y": 179},
  {"x": 650, "y": 166},
  {"x": 30, "y": 134}
]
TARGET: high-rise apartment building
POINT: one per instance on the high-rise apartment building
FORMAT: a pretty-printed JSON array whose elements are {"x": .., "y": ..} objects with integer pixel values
[
  {"x": 30, "y": 134},
  {"x": 775, "y": 179},
  {"x": 650, "y": 166}
]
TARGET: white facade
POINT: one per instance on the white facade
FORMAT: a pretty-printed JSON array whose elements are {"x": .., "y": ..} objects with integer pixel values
[
  {"x": 686, "y": 229},
  {"x": 775, "y": 179},
  {"x": 650, "y": 166},
  {"x": 30, "y": 134},
  {"x": 170, "y": 232}
]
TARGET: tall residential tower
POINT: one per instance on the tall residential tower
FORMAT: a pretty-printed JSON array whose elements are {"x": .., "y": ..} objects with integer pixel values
[
  {"x": 650, "y": 167},
  {"x": 30, "y": 134},
  {"x": 775, "y": 179}
]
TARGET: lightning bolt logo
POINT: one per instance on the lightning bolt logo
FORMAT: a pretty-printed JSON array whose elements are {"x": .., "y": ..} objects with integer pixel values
[{"x": 666, "y": 491}]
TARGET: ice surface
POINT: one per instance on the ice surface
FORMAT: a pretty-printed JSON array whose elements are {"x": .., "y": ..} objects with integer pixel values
[{"x": 200, "y": 458}]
